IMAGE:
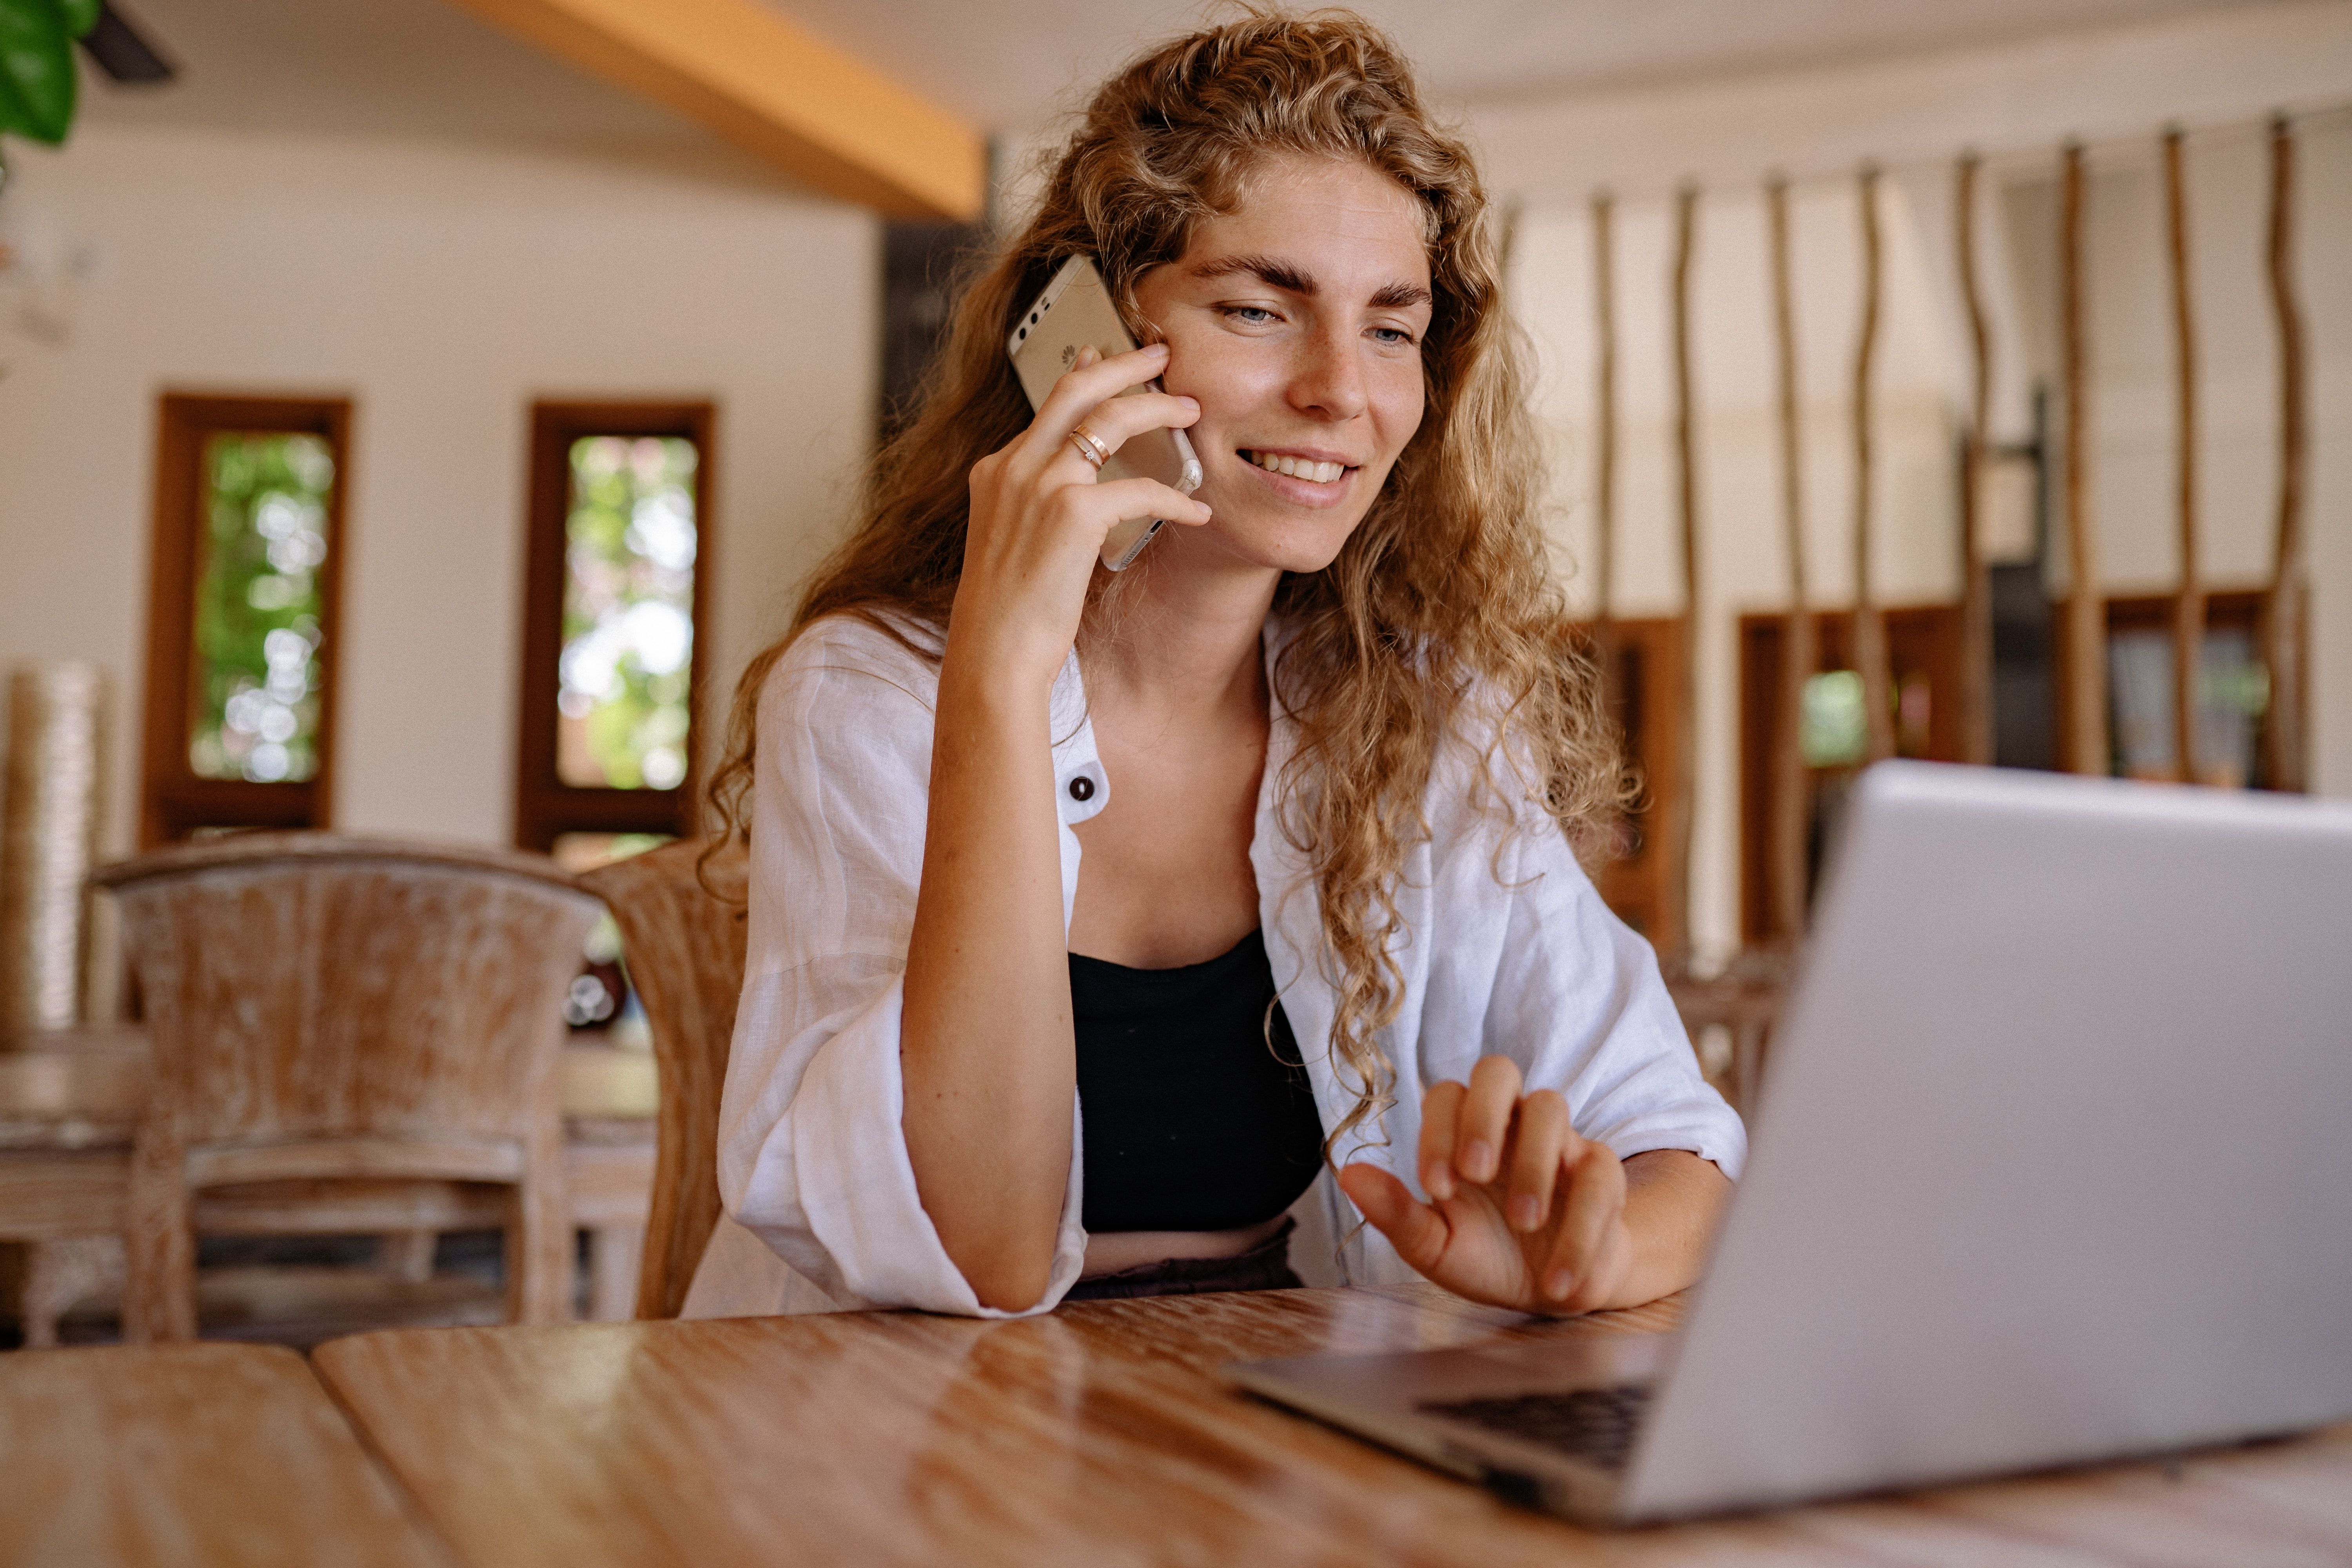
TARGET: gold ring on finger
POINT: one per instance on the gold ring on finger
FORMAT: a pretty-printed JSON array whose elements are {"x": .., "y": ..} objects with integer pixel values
[{"x": 1090, "y": 446}]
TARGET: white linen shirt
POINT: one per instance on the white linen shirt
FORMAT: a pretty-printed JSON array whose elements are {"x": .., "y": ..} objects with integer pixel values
[{"x": 1506, "y": 948}]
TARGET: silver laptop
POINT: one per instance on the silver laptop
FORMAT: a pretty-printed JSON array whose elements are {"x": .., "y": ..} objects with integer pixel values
[{"x": 2054, "y": 1165}]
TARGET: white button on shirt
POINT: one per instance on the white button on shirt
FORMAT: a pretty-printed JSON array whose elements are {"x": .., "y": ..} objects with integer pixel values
[{"x": 1510, "y": 954}]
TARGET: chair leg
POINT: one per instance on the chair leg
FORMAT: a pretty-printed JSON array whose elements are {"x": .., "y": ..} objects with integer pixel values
[
  {"x": 538, "y": 1250},
  {"x": 60, "y": 1274},
  {"x": 1747, "y": 1065},
  {"x": 159, "y": 1295},
  {"x": 614, "y": 1252},
  {"x": 407, "y": 1255}
]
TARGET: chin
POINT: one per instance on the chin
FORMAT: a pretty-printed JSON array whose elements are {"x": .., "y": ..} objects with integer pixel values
[{"x": 1287, "y": 543}]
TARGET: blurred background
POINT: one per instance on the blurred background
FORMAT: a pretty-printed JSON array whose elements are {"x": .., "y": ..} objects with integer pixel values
[{"x": 413, "y": 413}]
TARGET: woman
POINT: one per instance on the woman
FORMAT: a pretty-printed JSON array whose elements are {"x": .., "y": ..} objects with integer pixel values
[{"x": 1092, "y": 916}]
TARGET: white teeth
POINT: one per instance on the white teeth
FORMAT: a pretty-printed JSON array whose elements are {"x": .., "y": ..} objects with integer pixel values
[{"x": 1298, "y": 467}]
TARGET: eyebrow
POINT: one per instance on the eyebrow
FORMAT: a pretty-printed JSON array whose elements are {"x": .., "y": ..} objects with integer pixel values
[{"x": 1291, "y": 280}]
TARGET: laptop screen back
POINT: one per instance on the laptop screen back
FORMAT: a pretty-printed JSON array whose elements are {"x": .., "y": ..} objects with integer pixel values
[{"x": 2055, "y": 1161}]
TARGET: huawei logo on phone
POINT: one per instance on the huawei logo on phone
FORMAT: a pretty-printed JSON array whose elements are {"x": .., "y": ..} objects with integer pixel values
[{"x": 1069, "y": 353}]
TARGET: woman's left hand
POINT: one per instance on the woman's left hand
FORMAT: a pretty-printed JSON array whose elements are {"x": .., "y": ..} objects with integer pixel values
[{"x": 1524, "y": 1212}]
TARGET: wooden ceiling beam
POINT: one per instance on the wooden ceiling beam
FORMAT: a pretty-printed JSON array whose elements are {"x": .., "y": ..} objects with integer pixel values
[{"x": 748, "y": 73}]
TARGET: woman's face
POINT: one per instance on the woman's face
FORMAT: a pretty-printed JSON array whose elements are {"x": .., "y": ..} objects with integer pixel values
[{"x": 1297, "y": 322}]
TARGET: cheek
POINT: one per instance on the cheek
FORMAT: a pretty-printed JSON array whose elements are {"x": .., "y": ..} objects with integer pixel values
[
  {"x": 1226, "y": 374},
  {"x": 1227, "y": 382},
  {"x": 1398, "y": 404}
]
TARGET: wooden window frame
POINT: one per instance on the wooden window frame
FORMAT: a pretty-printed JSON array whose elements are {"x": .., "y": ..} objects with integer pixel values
[
  {"x": 174, "y": 802},
  {"x": 1920, "y": 639},
  {"x": 545, "y": 807},
  {"x": 2226, "y": 609},
  {"x": 1637, "y": 883}
]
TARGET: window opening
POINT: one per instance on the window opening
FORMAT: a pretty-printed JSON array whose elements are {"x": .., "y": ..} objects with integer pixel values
[
  {"x": 255, "y": 688},
  {"x": 241, "y": 612},
  {"x": 619, "y": 550},
  {"x": 628, "y": 613}
]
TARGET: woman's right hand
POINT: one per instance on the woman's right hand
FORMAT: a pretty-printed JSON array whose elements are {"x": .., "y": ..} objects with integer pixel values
[{"x": 1039, "y": 517}]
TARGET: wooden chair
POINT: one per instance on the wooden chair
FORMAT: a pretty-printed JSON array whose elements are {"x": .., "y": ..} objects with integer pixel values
[
  {"x": 1745, "y": 999},
  {"x": 70, "y": 1103},
  {"x": 684, "y": 949},
  {"x": 350, "y": 1035}
]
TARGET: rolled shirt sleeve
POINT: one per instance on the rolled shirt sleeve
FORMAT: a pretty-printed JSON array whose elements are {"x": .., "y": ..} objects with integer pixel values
[
  {"x": 1582, "y": 993},
  {"x": 1560, "y": 983},
  {"x": 812, "y": 1152}
]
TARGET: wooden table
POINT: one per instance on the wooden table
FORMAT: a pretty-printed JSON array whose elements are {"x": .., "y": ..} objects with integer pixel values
[
  {"x": 1101, "y": 1434},
  {"x": 189, "y": 1455}
]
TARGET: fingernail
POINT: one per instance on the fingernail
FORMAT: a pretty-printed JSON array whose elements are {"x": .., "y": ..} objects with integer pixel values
[
  {"x": 1191, "y": 403},
  {"x": 1558, "y": 1283},
  {"x": 1524, "y": 1216},
  {"x": 1477, "y": 1161},
  {"x": 1157, "y": 349}
]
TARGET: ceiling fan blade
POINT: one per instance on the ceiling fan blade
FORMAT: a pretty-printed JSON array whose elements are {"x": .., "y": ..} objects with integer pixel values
[{"x": 119, "y": 50}]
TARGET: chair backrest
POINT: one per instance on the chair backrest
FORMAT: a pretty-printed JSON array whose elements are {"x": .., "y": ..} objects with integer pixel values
[
  {"x": 684, "y": 949},
  {"x": 308, "y": 986}
]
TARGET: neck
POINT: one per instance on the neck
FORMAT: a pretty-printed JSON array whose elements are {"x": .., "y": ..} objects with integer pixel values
[{"x": 1182, "y": 632}]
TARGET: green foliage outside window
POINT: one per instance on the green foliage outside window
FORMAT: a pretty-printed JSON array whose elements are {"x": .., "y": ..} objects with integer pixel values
[
  {"x": 257, "y": 608},
  {"x": 628, "y": 613},
  {"x": 1835, "y": 732}
]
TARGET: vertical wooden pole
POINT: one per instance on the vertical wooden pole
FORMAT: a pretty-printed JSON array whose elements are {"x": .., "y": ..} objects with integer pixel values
[
  {"x": 1792, "y": 786},
  {"x": 2282, "y": 605},
  {"x": 1869, "y": 626},
  {"x": 2189, "y": 600},
  {"x": 1687, "y": 507},
  {"x": 1604, "y": 448},
  {"x": 2086, "y": 672},
  {"x": 1975, "y": 693}
]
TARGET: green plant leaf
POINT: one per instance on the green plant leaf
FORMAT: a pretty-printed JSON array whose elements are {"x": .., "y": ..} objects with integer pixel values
[
  {"x": 78, "y": 16},
  {"x": 36, "y": 70}
]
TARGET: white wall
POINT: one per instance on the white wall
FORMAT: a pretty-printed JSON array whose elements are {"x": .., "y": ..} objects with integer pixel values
[
  {"x": 441, "y": 288},
  {"x": 2220, "y": 75}
]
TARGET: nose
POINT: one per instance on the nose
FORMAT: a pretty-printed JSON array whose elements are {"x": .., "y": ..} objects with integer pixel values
[{"x": 1329, "y": 380}]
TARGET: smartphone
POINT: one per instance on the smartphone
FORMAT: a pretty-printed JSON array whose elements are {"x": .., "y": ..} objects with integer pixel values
[{"x": 1074, "y": 311}]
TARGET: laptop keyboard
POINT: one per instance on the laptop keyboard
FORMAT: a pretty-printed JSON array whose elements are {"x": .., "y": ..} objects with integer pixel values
[{"x": 1595, "y": 1425}]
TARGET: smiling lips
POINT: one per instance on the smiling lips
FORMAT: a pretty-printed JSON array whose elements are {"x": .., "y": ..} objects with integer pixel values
[{"x": 1298, "y": 468}]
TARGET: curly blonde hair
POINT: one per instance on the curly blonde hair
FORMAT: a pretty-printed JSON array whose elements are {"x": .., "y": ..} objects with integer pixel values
[{"x": 1442, "y": 596}]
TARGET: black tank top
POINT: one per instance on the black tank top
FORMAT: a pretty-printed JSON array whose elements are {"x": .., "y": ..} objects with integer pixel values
[{"x": 1193, "y": 1119}]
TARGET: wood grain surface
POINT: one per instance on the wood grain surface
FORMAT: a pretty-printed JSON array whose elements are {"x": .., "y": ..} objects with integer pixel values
[
  {"x": 1101, "y": 1433},
  {"x": 189, "y": 1455}
]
